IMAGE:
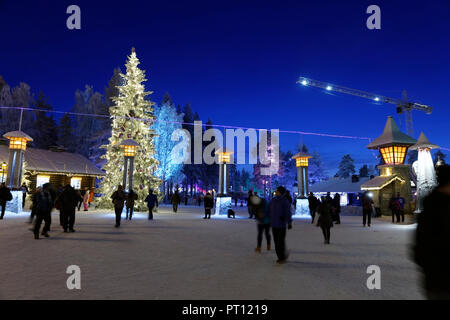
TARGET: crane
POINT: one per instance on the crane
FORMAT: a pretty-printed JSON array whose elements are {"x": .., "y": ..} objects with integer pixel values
[{"x": 403, "y": 105}]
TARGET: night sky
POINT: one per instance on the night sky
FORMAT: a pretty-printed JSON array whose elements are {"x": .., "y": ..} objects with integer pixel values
[{"x": 237, "y": 62}]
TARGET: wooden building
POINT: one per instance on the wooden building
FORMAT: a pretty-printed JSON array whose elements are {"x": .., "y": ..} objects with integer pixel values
[{"x": 56, "y": 167}]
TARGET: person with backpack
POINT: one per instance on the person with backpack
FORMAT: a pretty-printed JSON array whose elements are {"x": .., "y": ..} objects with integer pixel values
[
  {"x": 44, "y": 206},
  {"x": 5, "y": 196},
  {"x": 262, "y": 223},
  {"x": 131, "y": 198},
  {"x": 118, "y": 199},
  {"x": 151, "y": 200},
  {"x": 367, "y": 206},
  {"x": 325, "y": 220}
]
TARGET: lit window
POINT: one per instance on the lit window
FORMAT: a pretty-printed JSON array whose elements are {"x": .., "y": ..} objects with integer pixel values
[
  {"x": 224, "y": 157},
  {"x": 75, "y": 182},
  {"x": 301, "y": 162},
  {"x": 393, "y": 154},
  {"x": 41, "y": 180},
  {"x": 129, "y": 151},
  {"x": 17, "y": 143}
]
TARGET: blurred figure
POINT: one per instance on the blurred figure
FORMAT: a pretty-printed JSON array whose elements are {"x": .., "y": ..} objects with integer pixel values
[
  {"x": 209, "y": 204},
  {"x": 401, "y": 206},
  {"x": 91, "y": 197},
  {"x": 44, "y": 206},
  {"x": 152, "y": 201},
  {"x": 367, "y": 206},
  {"x": 67, "y": 202},
  {"x": 86, "y": 199},
  {"x": 325, "y": 220},
  {"x": 252, "y": 198},
  {"x": 394, "y": 205},
  {"x": 24, "y": 190},
  {"x": 337, "y": 208},
  {"x": 33, "y": 205},
  {"x": 82, "y": 193},
  {"x": 175, "y": 201},
  {"x": 280, "y": 216},
  {"x": 131, "y": 198},
  {"x": 5, "y": 196},
  {"x": 118, "y": 199},
  {"x": 313, "y": 204},
  {"x": 431, "y": 250},
  {"x": 262, "y": 223}
]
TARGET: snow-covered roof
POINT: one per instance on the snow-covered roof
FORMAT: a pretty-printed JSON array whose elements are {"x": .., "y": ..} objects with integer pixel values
[
  {"x": 40, "y": 160},
  {"x": 423, "y": 142},
  {"x": 391, "y": 135},
  {"x": 380, "y": 182},
  {"x": 338, "y": 185},
  {"x": 18, "y": 134}
]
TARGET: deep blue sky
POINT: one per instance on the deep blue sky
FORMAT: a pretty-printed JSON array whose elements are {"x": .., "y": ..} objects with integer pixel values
[{"x": 237, "y": 62}]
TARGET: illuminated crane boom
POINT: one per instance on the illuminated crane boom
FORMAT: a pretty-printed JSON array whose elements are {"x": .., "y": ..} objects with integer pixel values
[{"x": 403, "y": 106}]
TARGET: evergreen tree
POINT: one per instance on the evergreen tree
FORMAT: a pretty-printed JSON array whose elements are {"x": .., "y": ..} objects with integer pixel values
[
  {"x": 168, "y": 122},
  {"x": 66, "y": 138},
  {"x": 346, "y": 167},
  {"x": 316, "y": 172},
  {"x": 364, "y": 171},
  {"x": 45, "y": 134},
  {"x": 131, "y": 103}
]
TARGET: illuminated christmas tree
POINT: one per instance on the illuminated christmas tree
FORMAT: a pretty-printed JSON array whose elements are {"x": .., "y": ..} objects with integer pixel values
[{"x": 132, "y": 116}]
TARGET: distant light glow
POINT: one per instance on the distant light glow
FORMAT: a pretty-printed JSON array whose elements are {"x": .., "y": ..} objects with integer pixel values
[
  {"x": 329, "y": 88},
  {"x": 377, "y": 99},
  {"x": 304, "y": 82}
]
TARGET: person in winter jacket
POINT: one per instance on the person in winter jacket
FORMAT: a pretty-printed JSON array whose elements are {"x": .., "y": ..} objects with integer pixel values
[
  {"x": 67, "y": 202},
  {"x": 82, "y": 193},
  {"x": 44, "y": 206},
  {"x": 33, "y": 205},
  {"x": 86, "y": 200},
  {"x": 5, "y": 196},
  {"x": 262, "y": 223},
  {"x": 326, "y": 218},
  {"x": 337, "y": 208},
  {"x": 313, "y": 204},
  {"x": 280, "y": 216},
  {"x": 91, "y": 196},
  {"x": 118, "y": 198},
  {"x": 151, "y": 200},
  {"x": 131, "y": 198},
  {"x": 209, "y": 204},
  {"x": 367, "y": 206},
  {"x": 175, "y": 201},
  {"x": 24, "y": 190},
  {"x": 431, "y": 244}
]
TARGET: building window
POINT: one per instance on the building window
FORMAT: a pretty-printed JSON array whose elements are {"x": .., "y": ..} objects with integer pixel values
[
  {"x": 41, "y": 180},
  {"x": 75, "y": 183}
]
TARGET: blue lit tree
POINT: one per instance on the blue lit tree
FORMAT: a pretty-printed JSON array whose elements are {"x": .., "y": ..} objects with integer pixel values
[{"x": 168, "y": 120}]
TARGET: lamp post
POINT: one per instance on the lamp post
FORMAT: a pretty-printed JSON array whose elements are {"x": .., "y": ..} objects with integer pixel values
[
  {"x": 17, "y": 146},
  {"x": 301, "y": 162},
  {"x": 129, "y": 147},
  {"x": 223, "y": 200}
]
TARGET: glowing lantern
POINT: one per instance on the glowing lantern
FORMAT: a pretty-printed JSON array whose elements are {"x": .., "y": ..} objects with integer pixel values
[
  {"x": 301, "y": 162},
  {"x": 17, "y": 140},
  {"x": 129, "y": 147}
]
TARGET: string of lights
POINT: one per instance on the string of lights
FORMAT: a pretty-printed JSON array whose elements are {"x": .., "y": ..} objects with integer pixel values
[{"x": 329, "y": 135}]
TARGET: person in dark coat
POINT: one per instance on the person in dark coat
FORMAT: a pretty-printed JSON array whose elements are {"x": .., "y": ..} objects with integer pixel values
[
  {"x": 82, "y": 193},
  {"x": 209, "y": 204},
  {"x": 24, "y": 190},
  {"x": 431, "y": 249},
  {"x": 337, "y": 208},
  {"x": 33, "y": 205},
  {"x": 67, "y": 202},
  {"x": 262, "y": 223},
  {"x": 367, "y": 206},
  {"x": 401, "y": 207},
  {"x": 5, "y": 196},
  {"x": 44, "y": 206},
  {"x": 325, "y": 220},
  {"x": 118, "y": 199},
  {"x": 131, "y": 198},
  {"x": 280, "y": 216},
  {"x": 394, "y": 205},
  {"x": 312, "y": 203},
  {"x": 152, "y": 201},
  {"x": 175, "y": 201},
  {"x": 249, "y": 206}
]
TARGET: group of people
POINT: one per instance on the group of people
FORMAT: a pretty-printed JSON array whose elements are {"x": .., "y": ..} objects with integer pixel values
[{"x": 397, "y": 206}]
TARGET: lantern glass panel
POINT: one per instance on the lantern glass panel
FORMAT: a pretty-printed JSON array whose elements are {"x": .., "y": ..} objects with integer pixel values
[
  {"x": 301, "y": 162},
  {"x": 393, "y": 154},
  {"x": 17, "y": 143},
  {"x": 129, "y": 151},
  {"x": 224, "y": 157}
]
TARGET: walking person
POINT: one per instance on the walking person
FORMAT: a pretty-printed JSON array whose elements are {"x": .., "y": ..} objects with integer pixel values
[
  {"x": 263, "y": 224},
  {"x": 67, "y": 202},
  {"x": 5, "y": 196},
  {"x": 312, "y": 203},
  {"x": 44, "y": 206},
  {"x": 367, "y": 206},
  {"x": 281, "y": 217},
  {"x": 33, "y": 205},
  {"x": 175, "y": 201},
  {"x": 131, "y": 198},
  {"x": 118, "y": 198},
  {"x": 337, "y": 208},
  {"x": 394, "y": 205},
  {"x": 325, "y": 220},
  {"x": 91, "y": 197},
  {"x": 401, "y": 207},
  {"x": 86, "y": 200},
  {"x": 431, "y": 245},
  {"x": 152, "y": 201},
  {"x": 82, "y": 193},
  {"x": 209, "y": 204},
  {"x": 24, "y": 190}
]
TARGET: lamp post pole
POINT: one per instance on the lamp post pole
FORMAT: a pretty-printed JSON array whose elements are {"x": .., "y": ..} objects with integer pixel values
[{"x": 129, "y": 152}]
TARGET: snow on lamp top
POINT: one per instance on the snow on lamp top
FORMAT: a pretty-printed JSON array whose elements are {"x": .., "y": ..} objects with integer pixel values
[
  {"x": 301, "y": 159},
  {"x": 17, "y": 140},
  {"x": 129, "y": 147}
]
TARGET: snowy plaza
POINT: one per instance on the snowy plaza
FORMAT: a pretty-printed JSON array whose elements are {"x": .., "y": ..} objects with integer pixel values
[{"x": 182, "y": 256}]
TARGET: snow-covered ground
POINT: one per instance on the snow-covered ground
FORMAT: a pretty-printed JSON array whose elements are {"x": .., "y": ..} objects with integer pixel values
[{"x": 181, "y": 256}]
